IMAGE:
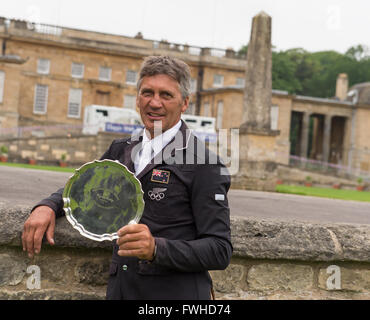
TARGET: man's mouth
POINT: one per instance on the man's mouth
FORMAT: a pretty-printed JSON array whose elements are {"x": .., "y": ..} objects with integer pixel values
[{"x": 155, "y": 116}]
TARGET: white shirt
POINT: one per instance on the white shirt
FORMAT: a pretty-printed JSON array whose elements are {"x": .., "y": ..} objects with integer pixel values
[{"x": 151, "y": 147}]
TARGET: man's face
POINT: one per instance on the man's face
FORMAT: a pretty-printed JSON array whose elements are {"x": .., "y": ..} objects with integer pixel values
[{"x": 160, "y": 99}]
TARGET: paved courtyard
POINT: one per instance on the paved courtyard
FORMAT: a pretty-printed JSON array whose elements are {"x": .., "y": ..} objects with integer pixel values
[{"x": 20, "y": 186}]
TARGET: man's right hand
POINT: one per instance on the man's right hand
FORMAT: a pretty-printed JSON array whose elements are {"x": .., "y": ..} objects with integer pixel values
[{"x": 41, "y": 220}]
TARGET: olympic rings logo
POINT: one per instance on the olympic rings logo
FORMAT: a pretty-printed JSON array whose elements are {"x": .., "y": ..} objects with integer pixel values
[{"x": 155, "y": 195}]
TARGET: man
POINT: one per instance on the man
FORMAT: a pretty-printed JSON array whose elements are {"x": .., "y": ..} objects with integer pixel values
[{"x": 185, "y": 227}]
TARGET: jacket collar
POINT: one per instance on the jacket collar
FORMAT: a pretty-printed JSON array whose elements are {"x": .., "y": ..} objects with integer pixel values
[{"x": 179, "y": 142}]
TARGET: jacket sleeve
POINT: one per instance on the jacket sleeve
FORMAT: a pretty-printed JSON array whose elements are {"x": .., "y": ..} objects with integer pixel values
[
  {"x": 212, "y": 248},
  {"x": 55, "y": 200}
]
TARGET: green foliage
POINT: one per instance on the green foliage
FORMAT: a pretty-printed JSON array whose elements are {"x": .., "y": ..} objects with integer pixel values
[
  {"x": 314, "y": 74},
  {"x": 358, "y": 52},
  {"x": 283, "y": 73},
  {"x": 3, "y": 150},
  {"x": 243, "y": 51}
]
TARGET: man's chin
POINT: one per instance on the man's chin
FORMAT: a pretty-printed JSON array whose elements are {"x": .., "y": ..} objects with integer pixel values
[{"x": 154, "y": 125}]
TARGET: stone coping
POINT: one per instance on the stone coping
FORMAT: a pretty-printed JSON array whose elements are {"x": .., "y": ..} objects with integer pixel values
[{"x": 251, "y": 238}]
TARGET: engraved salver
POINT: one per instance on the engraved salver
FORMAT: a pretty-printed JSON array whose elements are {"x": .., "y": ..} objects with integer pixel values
[{"x": 102, "y": 197}]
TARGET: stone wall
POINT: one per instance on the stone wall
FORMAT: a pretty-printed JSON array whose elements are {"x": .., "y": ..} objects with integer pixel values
[
  {"x": 272, "y": 260},
  {"x": 48, "y": 150}
]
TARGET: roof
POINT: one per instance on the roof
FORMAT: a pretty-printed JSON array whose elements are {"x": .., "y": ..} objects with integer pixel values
[{"x": 359, "y": 93}]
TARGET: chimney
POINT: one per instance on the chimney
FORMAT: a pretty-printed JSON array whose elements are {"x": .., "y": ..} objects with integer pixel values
[{"x": 342, "y": 86}]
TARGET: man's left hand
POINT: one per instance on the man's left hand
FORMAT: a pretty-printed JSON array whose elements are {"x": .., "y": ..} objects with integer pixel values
[{"x": 136, "y": 240}]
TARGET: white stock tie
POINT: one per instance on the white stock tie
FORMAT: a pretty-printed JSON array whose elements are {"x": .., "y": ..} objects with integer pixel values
[{"x": 145, "y": 156}]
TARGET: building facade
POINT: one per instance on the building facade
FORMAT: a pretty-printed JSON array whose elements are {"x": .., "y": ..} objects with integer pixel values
[{"x": 49, "y": 74}]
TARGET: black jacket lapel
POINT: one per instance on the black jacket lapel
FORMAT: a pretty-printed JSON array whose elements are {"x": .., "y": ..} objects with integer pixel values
[
  {"x": 133, "y": 146},
  {"x": 179, "y": 142}
]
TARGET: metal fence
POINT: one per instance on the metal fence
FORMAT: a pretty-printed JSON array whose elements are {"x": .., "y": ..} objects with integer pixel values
[{"x": 318, "y": 166}]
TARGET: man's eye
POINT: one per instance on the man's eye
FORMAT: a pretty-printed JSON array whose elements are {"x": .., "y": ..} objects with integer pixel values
[
  {"x": 166, "y": 95},
  {"x": 146, "y": 93}
]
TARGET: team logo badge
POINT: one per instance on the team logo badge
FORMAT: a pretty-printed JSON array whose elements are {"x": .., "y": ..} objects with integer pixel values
[
  {"x": 157, "y": 193},
  {"x": 160, "y": 176}
]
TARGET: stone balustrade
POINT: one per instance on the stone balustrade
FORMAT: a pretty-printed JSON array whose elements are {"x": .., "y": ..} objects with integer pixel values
[{"x": 271, "y": 260}]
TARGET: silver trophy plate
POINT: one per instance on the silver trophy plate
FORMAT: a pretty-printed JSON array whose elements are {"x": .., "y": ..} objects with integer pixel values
[{"x": 101, "y": 197}]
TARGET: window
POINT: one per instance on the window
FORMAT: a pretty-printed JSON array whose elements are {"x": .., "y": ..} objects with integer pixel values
[
  {"x": 274, "y": 117},
  {"x": 41, "y": 99},
  {"x": 105, "y": 73},
  {"x": 193, "y": 85},
  {"x": 104, "y": 113},
  {"x": 102, "y": 98},
  {"x": 74, "y": 103},
  {"x": 205, "y": 123},
  {"x": 207, "y": 110},
  {"x": 220, "y": 114},
  {"x": 77, "y": 70},
  {"x": 240, "y": 82},
  {"x": 131, "y": 77},
  {"x": 43, "y": 66},
  {"x": 191, "y": 121},
  {"x": 218, "y": 80},
  {"x": 129, "y": 101},
  {"x": 2, "y": 82}
]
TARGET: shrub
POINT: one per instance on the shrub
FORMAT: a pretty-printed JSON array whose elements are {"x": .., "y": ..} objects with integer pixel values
[{"x": 3, "y": 150}]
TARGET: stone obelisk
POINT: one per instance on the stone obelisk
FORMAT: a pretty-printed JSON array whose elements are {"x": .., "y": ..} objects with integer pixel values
[{"x": 257, "y": 166}]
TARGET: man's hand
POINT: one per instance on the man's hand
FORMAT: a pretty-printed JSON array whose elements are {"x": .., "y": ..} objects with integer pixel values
[
  {"x": 136, "y": 240},
  {"x": 41, "y": 220}
]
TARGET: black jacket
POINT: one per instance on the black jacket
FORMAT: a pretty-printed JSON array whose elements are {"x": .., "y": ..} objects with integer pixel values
[{"x": 191, "y": 224}]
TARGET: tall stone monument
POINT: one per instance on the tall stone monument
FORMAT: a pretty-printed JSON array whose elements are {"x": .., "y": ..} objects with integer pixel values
[{"x": 257, "y": 166}]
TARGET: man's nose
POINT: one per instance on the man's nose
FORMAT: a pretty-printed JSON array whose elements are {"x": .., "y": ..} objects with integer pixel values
[{"x": 155, "y": 102}]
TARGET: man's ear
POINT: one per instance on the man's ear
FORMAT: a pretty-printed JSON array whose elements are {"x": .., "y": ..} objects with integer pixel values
[{"x": 185, "y": 105}]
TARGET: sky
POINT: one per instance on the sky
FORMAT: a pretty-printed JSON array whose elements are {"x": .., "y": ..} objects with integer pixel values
[{"x": 315, "y": 25}]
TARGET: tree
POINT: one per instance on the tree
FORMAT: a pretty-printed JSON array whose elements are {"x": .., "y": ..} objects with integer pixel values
[
  {"x": 314, "y": 74},
  {"x": 359, "y": 52},
  {"x": 283, "y": 73}
]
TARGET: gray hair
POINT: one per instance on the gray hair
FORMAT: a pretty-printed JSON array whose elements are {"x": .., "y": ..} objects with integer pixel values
[{"x": 172, "y": 67}]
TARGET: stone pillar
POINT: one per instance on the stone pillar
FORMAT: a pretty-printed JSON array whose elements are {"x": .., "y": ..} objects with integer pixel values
[
  {"x": 257, "y": 167},
  {"x": 230, "y": 53},
  {"x": 346, "y": 141},
  {"x": 258, "y": 81},
  {"x": 304, "y": 134},
  {"x": 341, "y": 89},
  {"x": 206, "y": 52},
  {"x": 327, "y": 134}
]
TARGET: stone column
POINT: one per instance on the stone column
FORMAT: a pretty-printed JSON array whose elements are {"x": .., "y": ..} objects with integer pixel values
[
  {"x": 341, "y": 89},
  {"x": 230, "y": 53},
  {"x": 347, "y": 141},
  {"x": 206, "y": 52},
  {"x": 304, "y": 134},
  {"x": 258, "y": 81},
  {"x": 326, "y": 140},
  {"x": 257, "y": 166}
]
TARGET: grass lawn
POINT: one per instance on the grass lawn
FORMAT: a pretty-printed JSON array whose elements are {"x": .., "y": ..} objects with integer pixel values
[
  {"x": 39, "y": 167},
  {"x": 325, "y": 192}
]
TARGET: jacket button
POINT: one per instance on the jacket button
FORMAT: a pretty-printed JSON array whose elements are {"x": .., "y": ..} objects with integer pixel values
[{"x": 124, "y": 267}]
